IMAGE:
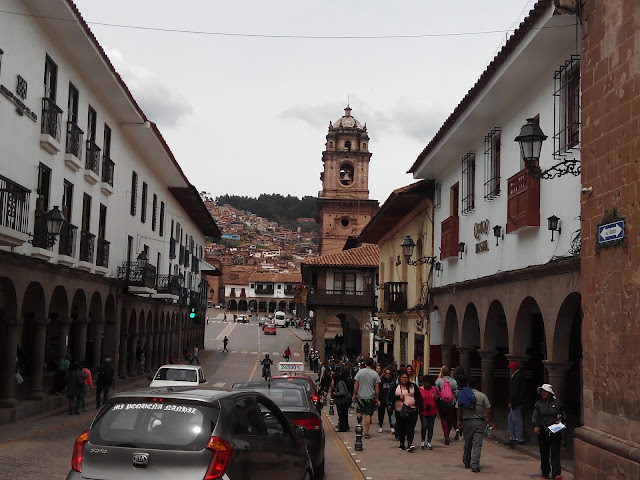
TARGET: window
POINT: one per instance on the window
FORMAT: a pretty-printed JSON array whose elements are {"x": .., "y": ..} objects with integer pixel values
[
  {"x": 129, "y": 248},
  {"x": 279, "y": 287},
  {"x": 567, "y": 107},
  {"x": 50, "y": 79},
  {"x": 350, "y": 282},
  {"x": 134, "y": 193},
  {"x": 492, "y": 164},
  {"x": 72, "y": 105},
  {"x": 454, "y": 199},
  {"x": 347, "y": 145},
  {"x": 86, "y": 213},
  {"x": 161, "y": 219},
  {"x": 106, "y": 146},
  {"x": 275, "y": 426},
  {"x": 346, "y": 174},
  {"x": 67, "y": 201},
  {"x": 437, "y": 196},
  {"x": 468, "y": 182},
  {"x": 337, "y": 281},
  {"x": 92, "y": 117},
  {"x": 143, "y": 211},
  {"x": 248, "y": 419},
  {"x": 102, "y": 222},
  {"x": 44, "y": 188},
  {"x": 154, "y": 206}
]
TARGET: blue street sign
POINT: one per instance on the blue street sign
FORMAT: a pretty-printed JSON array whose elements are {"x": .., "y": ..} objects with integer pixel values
[{"x": 611, "y": 231}]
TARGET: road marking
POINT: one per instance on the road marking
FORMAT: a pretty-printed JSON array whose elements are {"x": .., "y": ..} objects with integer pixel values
[
  {"x": 234, "y": 351},
  {"x": 254, "y": 353},
  {"x": 296, "y": 354},
  {"x": 226, "y": 331},
  {"x": 276, "y": 353},
  {"x": 243, "y": 352},
  {"x": 221, "y": 384}
]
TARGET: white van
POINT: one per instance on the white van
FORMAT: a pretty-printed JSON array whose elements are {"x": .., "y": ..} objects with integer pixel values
[{"x": 281, "y": 320}]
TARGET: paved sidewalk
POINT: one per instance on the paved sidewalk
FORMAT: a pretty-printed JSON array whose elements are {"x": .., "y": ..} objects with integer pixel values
[{"x": 381, "y": 459}]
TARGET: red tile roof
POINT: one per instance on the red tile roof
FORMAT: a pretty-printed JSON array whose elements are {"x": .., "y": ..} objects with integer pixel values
[{"x": 365, "y": 256}]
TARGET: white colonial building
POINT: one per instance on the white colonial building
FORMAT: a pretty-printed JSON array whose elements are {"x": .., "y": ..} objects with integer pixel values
[
  {"x": 123, "y": 271},
  {"x": 508, "y": 243}
]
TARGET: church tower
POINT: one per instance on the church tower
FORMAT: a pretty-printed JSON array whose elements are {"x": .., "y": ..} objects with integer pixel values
[{"x": 344, "y": 207}]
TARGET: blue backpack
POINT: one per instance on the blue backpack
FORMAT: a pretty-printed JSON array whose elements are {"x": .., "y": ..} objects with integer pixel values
[{"x": 466, "y": 398}]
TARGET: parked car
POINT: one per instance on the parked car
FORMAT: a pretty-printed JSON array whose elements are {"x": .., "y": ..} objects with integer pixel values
[
  {"x": 294, "y": 402},
  {"x": 191, "y": 434},
  {"x": 270, "y": 329},
  {"x": 261, "y": 321},
  {"x": 178, "y": 376},
  {"x": 300, "y": 379}
]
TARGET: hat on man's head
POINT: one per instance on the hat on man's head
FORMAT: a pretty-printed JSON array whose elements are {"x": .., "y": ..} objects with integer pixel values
[
  {"x": 513, "y": 364},
  {"x": 547, "y": 387},
  {"x": 107, "y": 360}
]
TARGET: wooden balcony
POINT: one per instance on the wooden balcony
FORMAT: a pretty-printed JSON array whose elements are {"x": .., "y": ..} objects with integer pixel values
[
  {"x": 395, "y": 297},
  {"x": 341, "y": 298},
  {"x": 14, "y": 213},
  {"x": 449, "y": 237},
  {"x": 523, "y": 201}
]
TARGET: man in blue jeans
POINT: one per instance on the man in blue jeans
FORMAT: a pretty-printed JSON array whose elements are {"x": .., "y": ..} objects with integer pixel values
[{"x": 517, "y": 399}]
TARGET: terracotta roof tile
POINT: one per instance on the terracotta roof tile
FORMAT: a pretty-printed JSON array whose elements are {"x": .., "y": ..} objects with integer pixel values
[{"x": 365, "y": 256}]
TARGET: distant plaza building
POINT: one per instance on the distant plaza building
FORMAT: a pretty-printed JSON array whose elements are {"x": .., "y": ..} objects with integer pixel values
[{"x": 344, "y": 207}]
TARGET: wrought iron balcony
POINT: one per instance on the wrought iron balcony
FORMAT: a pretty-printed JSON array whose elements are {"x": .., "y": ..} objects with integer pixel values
[
  {"x": 523, "y": 201},
  {"x": 195, "y": 265},
  {"x": 14, "y": 206},
  {"x": 288, "y": 291},
  {"x": 136, "y": 276},
  {"x": 449, "y": 237},
  {"x": 87, "y": 244},
  {"x": 51, "y": 118},
  {"x": 395, "y": 297},
  {"x": 264, "y": 291},
  {"x": 102, "y": 253},
  {"x": 347, "y": 298},
  {"x": 74, "y": 140},
  {"x": 172, "y": 248},
  {"x": 41, "y": 238},
  {"x": 92, "y": 159},
  {"x": 67, "y": 243},
  {"x": 168, "y": 284},
  {"x": 108, "y": 168}
]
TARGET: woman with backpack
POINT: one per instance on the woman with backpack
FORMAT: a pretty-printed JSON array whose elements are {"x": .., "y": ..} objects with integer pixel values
[
  {"x": 447, "y": 387},
  {"x": 342, "y": 399}
]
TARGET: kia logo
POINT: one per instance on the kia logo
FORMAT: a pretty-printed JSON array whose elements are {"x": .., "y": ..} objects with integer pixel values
[{"x": 140, "y": 460}]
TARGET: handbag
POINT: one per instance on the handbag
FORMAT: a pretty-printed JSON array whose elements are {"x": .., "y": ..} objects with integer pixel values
[
  {"x": 442, "y": 407},
  {"x": 406, "y": 411}
]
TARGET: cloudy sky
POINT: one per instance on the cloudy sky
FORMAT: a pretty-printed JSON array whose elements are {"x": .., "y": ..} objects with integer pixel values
[{"x": 244, "y": 90}]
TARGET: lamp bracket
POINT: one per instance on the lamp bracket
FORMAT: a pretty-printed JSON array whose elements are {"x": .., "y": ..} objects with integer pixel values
[
  {"x": 422, "y": 261},
  {"x": 558, "y": 170}
]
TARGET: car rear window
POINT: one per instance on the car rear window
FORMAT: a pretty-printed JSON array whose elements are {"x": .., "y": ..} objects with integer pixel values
[
  {"x": 285, "y": 397},
  {"x": 298, "y": 381},
  {"x": 163, "y": 424},
  {"x": 177, "y": 375}
]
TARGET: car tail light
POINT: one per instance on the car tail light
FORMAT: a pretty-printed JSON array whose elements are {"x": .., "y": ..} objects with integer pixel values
[
  {"x": 222, "y": 453},
  {"x": 311, "y": 423},
  {"x": 315, "y": 398},
  {"x": 78, "y": 448}
]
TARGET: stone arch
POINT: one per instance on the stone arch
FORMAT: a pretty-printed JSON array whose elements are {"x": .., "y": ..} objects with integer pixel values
[
  {"x": 569, "y": 312},
  {"x": 56, "y": 344},
  {"x": 272, "y": 306},
  {"x": 524, "y": 326},
  {"x": 529, "y": 344},
  {"x": 470, "y": 335},
  {"x": 451, "y": 331},
  {"x": 496, "y": 332},
  {"x": 109, "y": 340},
  {"x": 232, "y": 305},
  {"x": 282, "y": 306},
  {"x": 33, "y": 317},
  {"x": 242, "y": 305},
  {"x": 292, "y": 307},
  {"x": 8, "y": 340},
  {"x": 253, "y": 306}
]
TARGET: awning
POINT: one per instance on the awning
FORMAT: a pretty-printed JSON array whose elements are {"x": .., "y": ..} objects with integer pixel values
[{"x": 208, "y": 269}]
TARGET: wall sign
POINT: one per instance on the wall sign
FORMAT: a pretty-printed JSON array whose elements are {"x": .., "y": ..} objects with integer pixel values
[
  {"x": 480, "y": 229},
  {"x": 21, "y": 108},
  {"x": 21, "y": 87},
  {"x": 612, "y": 231}
]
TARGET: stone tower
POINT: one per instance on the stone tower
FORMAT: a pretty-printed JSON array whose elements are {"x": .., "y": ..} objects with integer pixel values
[{"x": 344, "y": 207}]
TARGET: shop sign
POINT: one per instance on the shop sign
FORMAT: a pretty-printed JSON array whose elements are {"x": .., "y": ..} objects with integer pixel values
[
  {"x": 480, "y": 229},
  {"x": 21, "y": 108}
]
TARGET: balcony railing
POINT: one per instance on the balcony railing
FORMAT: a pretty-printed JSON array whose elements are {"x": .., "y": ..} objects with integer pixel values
[
  {"x": 168, "y": 284},
  {"x": 449, "y": 237},
  {"x": 51, "y": 118},
  {"x": 288, "y": 291},
  {"x": 523, "y": 201},
  {"x": 87, "y": 243},
  {"x": 14, "y": 205},
  {"x": 232, "y": 294},
  {"x": 351, "y": 298},
  {"x": 92, "y": 160},
  {"x": 67, "y": 242},
  {"x": 135, "y": 276},
  {"x": 108, "y": 168},
  {"x": 395, "y": 297},
  {"x": 41, "y": 238},
  {"x": 264, "y": 291},
  {"x": 74, "y": 140},
  {"x": 172, "y": 248},
  {"x": 102, "y": 253}
]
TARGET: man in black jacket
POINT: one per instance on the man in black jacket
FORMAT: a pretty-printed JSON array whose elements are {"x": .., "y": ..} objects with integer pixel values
[{"x": 517, "y": 399}]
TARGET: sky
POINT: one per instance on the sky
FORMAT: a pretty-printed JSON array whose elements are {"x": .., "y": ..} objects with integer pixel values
[{"x": 244, "y": 90}]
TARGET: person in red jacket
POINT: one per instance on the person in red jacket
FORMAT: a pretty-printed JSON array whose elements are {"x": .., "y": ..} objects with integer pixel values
[
  {"x": 428, "y": 411},
  {"x": 287, "y": 354}
]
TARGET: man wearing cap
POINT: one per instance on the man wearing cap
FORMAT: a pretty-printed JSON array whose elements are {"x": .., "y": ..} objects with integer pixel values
[
  {"x": 547, "y": 412},
  {"x": 517, "y": 399}
]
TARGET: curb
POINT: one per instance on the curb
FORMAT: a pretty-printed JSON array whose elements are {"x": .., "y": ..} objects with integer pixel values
[{"x": 355, "y": 464}]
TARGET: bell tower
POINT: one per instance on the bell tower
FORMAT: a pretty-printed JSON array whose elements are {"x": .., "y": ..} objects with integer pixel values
[{"x": 344, "y": 207}]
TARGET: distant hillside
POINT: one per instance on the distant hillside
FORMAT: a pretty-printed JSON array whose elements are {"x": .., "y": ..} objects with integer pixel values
[{"x": 277, "y": 208}]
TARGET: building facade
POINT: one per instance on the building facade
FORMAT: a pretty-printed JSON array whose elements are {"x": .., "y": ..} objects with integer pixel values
[
  {"x": 262, "y": 292},
  {"x": 344, "y": 207},
  {"x": 121, "y": 275},
  {"x": 509, "y": 242}
]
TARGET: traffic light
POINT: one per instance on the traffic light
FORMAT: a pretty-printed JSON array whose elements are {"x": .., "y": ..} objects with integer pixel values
[{"x": 193, "y": 312}]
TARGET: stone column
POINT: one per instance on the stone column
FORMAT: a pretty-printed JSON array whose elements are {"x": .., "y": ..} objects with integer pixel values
[
  {"x": 80, "y": 340},
  {"x": 122, "y": 362},
  {"x": 161, "y": 348},
  {"x": 319, "y": 330},
  {"x": 557, "y": 377},
  {"x": 98, "y": 330},
  {"x": 446, "y": 354},
  {"x": 38, "y": 346},
  {"x": 521, "y": 359},
  {"x": 488, "y": 360},
  {"x": 465, "y": 359},
  {"x": 8, "y": 373},
  {"x": 133, "y": 361}
]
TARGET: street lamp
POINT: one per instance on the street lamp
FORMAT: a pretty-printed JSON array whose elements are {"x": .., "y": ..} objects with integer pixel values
[
  {"x": 143, "y": 259},
  {"x": 530, "y": 140},
  {"x": 54, "y": 220},
  {"x": 461, "y": 246},
  {"x": 554, "y": 225},
  {"x": 408, "y": 246},
  {"x": 497, "y": 232},
  {"x": 368, "y": 277}
]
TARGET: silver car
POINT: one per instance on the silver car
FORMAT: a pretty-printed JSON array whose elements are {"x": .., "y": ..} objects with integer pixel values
[{"x": 190, "y": 434}]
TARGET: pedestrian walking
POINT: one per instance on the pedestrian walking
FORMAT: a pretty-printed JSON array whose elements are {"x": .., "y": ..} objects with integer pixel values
[
  {"x": 74, "y": 387},
  {"x": 407, "y": 400},
  {"x": 194, "y": 355},
  {"x": 61, "y": 372},
  {"x": 473, "y": 422},
  {"x": 517, "y": 399},
  {"x": 366, "y": 393},
  {"x": 342, "y": 399},
  {"x": 224, "y": 318},
  {"x": 386, "y": 407},
  {"x": 447, "y": 387},
  {"x": 88, "y": 385},
  {"x": 225, "y": 342},
  {"x": 548, "y": 415},
  {"x": 429, "y": 408},
  {"x": 306, "y": 351},
  {"x": 104, "y": 382},
  {"x": 287, "y": 354}
]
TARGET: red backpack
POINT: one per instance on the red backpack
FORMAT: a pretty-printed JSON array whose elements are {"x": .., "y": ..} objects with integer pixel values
[{"x": 447, "y": 392}]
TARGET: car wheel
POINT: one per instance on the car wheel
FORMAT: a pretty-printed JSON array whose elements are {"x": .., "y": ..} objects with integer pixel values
[{"x": 319, "y": 471}]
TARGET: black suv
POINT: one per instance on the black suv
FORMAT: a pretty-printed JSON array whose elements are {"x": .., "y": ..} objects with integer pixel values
[{"x": 190, "y": 433}]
